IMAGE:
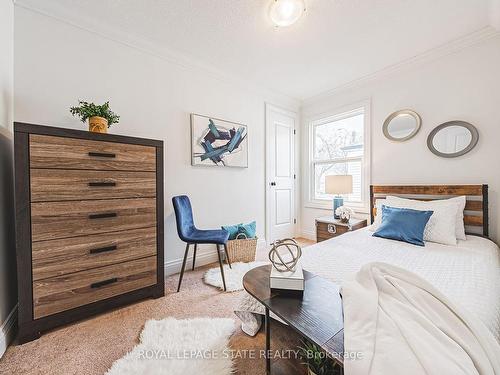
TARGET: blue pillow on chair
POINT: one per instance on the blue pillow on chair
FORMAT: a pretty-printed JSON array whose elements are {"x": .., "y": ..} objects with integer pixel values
[{"x": 403, "y": 224}]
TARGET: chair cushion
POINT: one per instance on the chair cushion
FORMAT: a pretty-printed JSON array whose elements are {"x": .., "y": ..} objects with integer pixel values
[{"x": 217, "y": 236}]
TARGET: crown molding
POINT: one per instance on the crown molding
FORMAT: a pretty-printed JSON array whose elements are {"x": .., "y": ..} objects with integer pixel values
[
  {"x": 433, "y": 54},
  {"x": 61, "y": 14}
]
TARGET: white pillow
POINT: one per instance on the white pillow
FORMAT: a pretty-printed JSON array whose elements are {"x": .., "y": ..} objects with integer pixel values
[
  {"x": 459, "y": 202},
  {"x": 441, "y": 227},
  {"x": 378, "y": 217}
]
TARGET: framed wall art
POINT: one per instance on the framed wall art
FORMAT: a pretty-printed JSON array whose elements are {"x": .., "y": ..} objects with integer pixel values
[{"x": 216, "y": 142}]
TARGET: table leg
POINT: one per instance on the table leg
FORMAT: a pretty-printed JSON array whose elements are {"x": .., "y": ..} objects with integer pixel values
[{"x": 267, "y": 322}]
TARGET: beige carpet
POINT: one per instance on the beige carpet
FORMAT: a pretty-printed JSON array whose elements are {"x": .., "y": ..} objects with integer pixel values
[{"x": 91, "y": 346}]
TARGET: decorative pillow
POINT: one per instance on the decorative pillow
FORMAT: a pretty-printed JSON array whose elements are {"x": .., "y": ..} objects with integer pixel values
[
  {"x": 378, "y": 217},
  {"x": 441, "y": 225},
  {"x": 232, "y": 229},
  {"x": 430, "y": 205},
  {"x": 403, "y": 224},
  {"x": 248, "y": 229}
]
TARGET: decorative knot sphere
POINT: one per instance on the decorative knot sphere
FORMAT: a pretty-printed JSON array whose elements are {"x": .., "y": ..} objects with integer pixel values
[{"x": 285, "y": 254}]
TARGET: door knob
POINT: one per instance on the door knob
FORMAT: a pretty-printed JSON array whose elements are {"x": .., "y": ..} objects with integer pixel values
[{"x": 273, "y": 183}]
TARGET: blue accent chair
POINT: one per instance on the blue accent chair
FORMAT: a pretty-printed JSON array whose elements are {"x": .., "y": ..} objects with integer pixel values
[{"x": 194, "y": 236}]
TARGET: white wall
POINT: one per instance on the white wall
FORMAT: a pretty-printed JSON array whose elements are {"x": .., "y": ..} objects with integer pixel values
[
  {"x": 464, "y": 85},
  {"x": 57, "y": 63},
  {"x": 7, "y": 247},
  {"x": 494, "y": 13}
]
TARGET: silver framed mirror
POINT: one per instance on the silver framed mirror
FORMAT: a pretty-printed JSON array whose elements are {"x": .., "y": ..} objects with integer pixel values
[
  {"x": 452, "y": 139},
  {"x": 402, "y": 125}
]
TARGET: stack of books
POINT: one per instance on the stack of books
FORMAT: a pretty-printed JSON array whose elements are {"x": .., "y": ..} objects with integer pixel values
[{"x": 291, "y": 281}]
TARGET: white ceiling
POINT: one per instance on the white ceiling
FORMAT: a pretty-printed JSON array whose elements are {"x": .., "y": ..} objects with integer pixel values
[{"x": 334, "y": 43}]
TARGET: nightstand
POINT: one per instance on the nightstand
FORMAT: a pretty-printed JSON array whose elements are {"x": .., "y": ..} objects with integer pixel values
[{"x": 328, "y": 227}]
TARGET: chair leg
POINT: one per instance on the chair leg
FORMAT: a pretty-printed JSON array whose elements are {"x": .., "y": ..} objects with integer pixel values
[
  {"x": 227, "y": 256},
  {"x": 183, "y": 266},
  {"x": 194, "y": 254},
  {"x": 221, "y": 268}
]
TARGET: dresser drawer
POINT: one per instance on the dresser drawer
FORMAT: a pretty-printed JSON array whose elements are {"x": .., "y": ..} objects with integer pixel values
[
  {"x": 53, "y": 220},
  {"x": 77, "y": 289},
  {"x": 68, "y": 255},
  {"x": 325, "y": 231},
  {"x": 327, "y": 227},
  {"x": 70, "y": 153},
  {"x": 62, "y": 185}
]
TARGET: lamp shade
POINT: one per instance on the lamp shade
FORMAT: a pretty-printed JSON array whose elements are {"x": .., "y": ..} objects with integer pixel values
[{"x": 340, "y": 184}]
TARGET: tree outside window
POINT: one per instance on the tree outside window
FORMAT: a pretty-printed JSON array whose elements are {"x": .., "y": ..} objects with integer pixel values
[{"x": 338, "y": 149}]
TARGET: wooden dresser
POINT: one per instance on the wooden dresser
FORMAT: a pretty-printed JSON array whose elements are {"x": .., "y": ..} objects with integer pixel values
[{"x": 89, "y": 224}]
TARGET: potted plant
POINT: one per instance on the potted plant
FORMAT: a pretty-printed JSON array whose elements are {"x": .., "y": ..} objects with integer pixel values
[
  {"x": 316, "y": 360},
  {"x": 100, "y": 116}
]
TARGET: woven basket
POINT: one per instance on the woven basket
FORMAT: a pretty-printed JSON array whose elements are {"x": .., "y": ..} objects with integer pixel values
[{"x": 242, "y": 249}]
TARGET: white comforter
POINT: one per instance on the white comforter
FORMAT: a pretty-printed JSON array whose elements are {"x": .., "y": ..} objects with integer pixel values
[
  {"x": 468, "y": 274},
  {"x": 398, "y": 323}
]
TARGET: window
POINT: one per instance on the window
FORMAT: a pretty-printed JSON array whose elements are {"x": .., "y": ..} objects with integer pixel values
[{"x": 338, "y": 146}]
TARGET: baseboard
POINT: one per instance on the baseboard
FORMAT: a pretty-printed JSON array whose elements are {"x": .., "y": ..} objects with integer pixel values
[
  {"x": 310, "y": 235},
  {"x": 261, "y": 242},
  {"x": 174, "y": 266},
  {"x": 7, "y": 330}
]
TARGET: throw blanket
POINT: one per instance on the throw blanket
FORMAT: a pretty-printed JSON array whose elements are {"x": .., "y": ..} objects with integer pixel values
[{"x": 401, "y": 324}]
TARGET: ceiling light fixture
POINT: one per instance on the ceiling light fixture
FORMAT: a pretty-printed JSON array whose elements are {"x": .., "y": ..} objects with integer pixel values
[{"x": 286, "y": 12}]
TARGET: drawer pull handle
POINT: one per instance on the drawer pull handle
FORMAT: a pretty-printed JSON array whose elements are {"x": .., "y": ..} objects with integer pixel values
[
  {"x": 103, "y": 216},
  {"x": 102, "y": 154},
  {"x": 103, "y": 183},
  {"x": 332, "y": 228},
  {"x": 104, "y": 282},
  {"x": 103, "y": 249}
]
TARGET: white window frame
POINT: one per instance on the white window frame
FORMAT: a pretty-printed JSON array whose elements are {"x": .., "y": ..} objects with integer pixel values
[{"x": 335, "y": 115}]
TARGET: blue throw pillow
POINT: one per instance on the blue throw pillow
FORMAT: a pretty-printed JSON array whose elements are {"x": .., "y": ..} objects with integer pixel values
[
  {"x": 248, "y": 229},
  {"x": 403, "y": 224},
  {"x": 232, "y": 229}
]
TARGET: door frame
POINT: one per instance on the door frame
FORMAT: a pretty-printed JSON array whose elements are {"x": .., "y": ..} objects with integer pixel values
[{"x": 269, "y": 107}]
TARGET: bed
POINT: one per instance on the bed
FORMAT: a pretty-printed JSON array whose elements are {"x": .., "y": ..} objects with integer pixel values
[{"x": 468, "y": 273}]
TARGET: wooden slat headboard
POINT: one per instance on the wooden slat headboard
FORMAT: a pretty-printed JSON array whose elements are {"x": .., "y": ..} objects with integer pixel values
[{"x": 476, "y": 208}]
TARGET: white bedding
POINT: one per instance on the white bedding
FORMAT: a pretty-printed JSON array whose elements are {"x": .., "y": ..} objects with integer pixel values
[
  {"x": 388, "y": 309},
  {"x": 468, "y": 274}
]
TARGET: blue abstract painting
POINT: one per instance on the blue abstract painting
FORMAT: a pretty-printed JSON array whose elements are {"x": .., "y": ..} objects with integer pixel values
[{"x": 218, "y": 143}]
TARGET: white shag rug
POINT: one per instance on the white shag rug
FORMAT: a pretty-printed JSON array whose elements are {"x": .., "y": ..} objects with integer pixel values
[
  {"x": 178, "y": 347},
  {"x": 234, "y": 276}
]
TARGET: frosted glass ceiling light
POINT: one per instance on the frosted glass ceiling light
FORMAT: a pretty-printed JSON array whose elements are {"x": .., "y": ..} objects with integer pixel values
[{"x": 286, "y": 12}]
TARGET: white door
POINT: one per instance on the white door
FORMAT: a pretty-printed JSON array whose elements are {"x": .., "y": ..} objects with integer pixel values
[{"x": 280, "y": 172}]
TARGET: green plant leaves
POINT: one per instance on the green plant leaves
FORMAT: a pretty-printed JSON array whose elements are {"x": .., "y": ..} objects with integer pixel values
[
  {"x": 316, "y": 360},
  {"x": 85, "y": 110}
]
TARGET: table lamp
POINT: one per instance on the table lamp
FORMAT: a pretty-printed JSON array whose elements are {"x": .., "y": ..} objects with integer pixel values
[{"x": 338, "y": 184}]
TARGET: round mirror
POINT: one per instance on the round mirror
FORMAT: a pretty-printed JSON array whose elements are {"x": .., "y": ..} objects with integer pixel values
[
  {"x": 452, "y": 139},
  {"x": 402, "y": 125}
]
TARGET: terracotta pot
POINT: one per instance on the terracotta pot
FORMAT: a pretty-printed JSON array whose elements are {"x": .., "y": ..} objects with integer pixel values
[{"x": 98, "y": 124}]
